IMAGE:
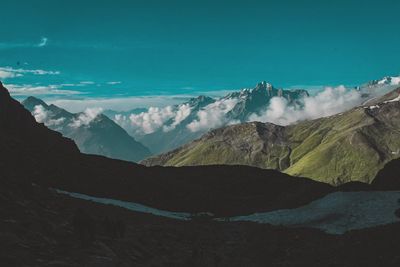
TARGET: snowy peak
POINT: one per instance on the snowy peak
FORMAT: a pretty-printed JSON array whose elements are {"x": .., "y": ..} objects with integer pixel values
[
  {"x": 264, "y": 86},
  {"x": 388, "y": 80},
  {"x": 385, "y": 81},
  {"x": 200, "y": 101}
]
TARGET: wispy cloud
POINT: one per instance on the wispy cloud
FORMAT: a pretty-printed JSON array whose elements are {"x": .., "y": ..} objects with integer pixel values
[
  {"x": 213, "y": 115},
  {"x": 118, "y": 103},
  {"x": 12, "y": 45},
  {"x": 44, "y": 116},
  {"x": 85, "y": 117},
  {"x": 87, "y": 82},
  {"x": 28, "y": 90},
  {"x": 10, "y": 72},
  {"x": 113, "y": 83},
  {"x": 43, "y": 42},
  {"x": 6, "y": 74}
]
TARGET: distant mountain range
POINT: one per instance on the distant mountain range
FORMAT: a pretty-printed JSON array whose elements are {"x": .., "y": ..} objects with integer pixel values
[
  {"x": 165, "y": 129},
  {"x": 92, "y": 131},
  {"x": 350, "y": 146}
]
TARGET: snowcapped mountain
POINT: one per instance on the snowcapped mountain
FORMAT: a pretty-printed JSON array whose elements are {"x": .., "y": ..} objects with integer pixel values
[
  {"x": 390, "y": 80},
  {"x": 252, "y": 101},
  {"x": 93, "y": 132},
  {"x": 163, "y": 129}
]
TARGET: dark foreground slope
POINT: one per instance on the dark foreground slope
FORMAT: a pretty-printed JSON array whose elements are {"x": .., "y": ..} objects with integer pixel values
[
  {"x": 31, "y": 152},
  {"x": 37, "y": 229},
  {"x": 389, "y": 177}
]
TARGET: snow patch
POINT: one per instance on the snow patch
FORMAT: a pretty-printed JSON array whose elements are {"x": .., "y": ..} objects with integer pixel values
[
  {"x": 397, "y": 99},
  {"x": 336, "y": 213},
  {"x": 129, "y": 205}
]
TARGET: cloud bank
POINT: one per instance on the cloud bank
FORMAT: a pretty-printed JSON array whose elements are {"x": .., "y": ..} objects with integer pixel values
[
  {"x": 154, "y": 119},
  {"x": 326, "y": 103},
  {"x": 44, "y": 116},
  {"x": 213, "y": 115},
  {"x": 86, "y": 117}
]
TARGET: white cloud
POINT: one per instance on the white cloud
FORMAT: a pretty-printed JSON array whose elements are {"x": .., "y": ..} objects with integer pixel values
[
  {"x": 87, "y": 82},
  {"x": 85, "y": 117},
  {"x": 10, "y": 72},
  {"x": 113, "y": 83},
  {"x": 43, "y": 116},
  {"x": 150, "y": 121},
  {"x": 326, "y": 103},
  {"x": 396, "y": 80},
  {"x": 43, "y": 42},
  {"x": 213, "y": 115},
  {"x": 154, "y": 119},
  {"x": 28, "y": 90},
  {"x": 40, "y": 114},
  {"x": 181, "y": 114},
  {"x": 5, "y": 74}
]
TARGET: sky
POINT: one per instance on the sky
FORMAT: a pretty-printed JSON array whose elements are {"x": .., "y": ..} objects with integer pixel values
[{"x": 158, "y": 52}]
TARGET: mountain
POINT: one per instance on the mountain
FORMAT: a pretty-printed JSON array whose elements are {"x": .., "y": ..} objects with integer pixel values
[
  {"x": 388, "y": 178},
  {"x": 173, "y": 136},
  {"x": 179, "y": 124},
  {"x": 93, "y": 132},
  {"x": 351, "y": 146},
  {"x": 111, "y": 113},
  {"x": 253, "y": 101},
  {"x": 32, "y": 153}
]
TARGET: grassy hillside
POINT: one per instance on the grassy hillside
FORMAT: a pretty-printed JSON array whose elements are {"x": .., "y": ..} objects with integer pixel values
[{"x": 352, "y": 146}]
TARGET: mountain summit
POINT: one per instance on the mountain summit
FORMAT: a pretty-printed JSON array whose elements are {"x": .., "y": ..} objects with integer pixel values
[{"x": 196, "y": 116}]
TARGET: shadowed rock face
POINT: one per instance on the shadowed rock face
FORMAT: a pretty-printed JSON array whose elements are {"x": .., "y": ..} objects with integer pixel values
[
  {"x": 389, "y": 177},
  {"x": 33, "y": 153},
  {"x": 26, "y": 147},
  {"x": 352, "y": 146}
]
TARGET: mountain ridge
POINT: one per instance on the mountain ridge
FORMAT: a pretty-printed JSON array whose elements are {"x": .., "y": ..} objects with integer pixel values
[
  {"x": 96, "y": 134},
  {"x": 366, "y": 136}
]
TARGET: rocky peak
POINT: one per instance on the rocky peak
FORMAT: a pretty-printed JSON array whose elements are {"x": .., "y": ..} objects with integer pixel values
[
  {"x": 31, "y": 102},
  {"x": 200, "y": 101},
  {"x": 264, "y": 85}
]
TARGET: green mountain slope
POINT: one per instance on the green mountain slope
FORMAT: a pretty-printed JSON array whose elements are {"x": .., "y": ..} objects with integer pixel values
[{"x": 352, "y": 146}]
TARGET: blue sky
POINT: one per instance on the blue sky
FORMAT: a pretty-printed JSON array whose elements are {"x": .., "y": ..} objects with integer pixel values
[{"x": 117, "y": 49}]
